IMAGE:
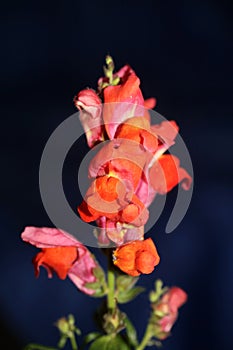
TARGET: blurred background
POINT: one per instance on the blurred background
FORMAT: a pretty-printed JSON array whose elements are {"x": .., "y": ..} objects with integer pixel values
[{"x": 183, "y": 54}]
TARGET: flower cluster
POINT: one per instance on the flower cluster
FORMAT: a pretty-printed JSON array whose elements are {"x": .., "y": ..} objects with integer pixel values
[{"x": 130, "y": 168}]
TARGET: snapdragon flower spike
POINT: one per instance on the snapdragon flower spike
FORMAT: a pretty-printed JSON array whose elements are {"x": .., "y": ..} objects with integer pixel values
[
  {"x": 166, "y": 311},
  {"x": 137, "y": 257},
  {"x": 131, "y": 169},
  {"x": 63, "y": 254}
]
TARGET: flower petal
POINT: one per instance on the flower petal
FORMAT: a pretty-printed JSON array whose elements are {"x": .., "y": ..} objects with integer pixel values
[
  {"x": 82, "y": 272},
  {"x": 138, "y": 129},
  {"x": 150, "y": 103},
  {"x": 90, "y": 107},
  {"x": 58, "y": 259},
  {"x": 122, "y": 102},
  {"x": 46, "y": 237},
  {"x": 166, "y": 173},
  {"x": 177, "y": 297}
]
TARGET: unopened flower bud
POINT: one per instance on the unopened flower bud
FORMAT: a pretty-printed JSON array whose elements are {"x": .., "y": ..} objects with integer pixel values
[{"x": 165, "y": 311}]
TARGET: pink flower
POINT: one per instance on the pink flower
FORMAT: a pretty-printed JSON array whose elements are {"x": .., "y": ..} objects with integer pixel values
[
  {"x": 90, "y": 107},
  {"x": 167, "y": 309},
  {"x": 63, "y": 254}
]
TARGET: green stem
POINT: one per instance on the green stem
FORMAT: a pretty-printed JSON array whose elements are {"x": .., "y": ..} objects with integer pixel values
[
  {"x": 111, "y": 283},
  {"x": 145, "y": 340},
  {"x": 73, "y": 342}
]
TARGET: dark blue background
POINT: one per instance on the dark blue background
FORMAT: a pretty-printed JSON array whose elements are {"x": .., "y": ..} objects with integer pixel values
[{"x": 183, "y": 53}]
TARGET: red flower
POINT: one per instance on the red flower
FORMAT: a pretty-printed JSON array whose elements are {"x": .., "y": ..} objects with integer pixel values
[
  {"x": 63, "y": 254},
  {"x": 107, "y": 197},
  {"x": 123, "y": 101},
  {"x": 117, "y": 170},
  {"x": 138, "y": 129},
  {"x": 137, "y": 257}
]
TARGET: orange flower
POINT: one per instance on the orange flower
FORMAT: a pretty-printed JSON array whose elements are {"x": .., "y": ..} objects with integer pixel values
[
  {"x": 108, "y": 197},
  {"x": 137, "y": 257},
  {"x": 63, "y": 254}
]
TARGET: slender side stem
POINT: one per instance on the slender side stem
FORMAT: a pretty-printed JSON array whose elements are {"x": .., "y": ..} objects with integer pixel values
[
  {"x": 145, "y": 339},
  {"x": 111, "y": 283},
  {"x": 73, "y": 342}
]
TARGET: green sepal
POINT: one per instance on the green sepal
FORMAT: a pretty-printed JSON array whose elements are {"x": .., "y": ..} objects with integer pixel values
[
  {"x": 114, "y": 321},
  {"x": 125, "y": 282},
  {"x": 159, "y": 314},
  {"x": 109, "y": 342},
  {"x": 156, "y": 294},
  {"x": 128, "y": 295},
  {"x": 131, "y": 332},
  {"x": 100, "y": 285},
  {"x": 156, "y": 343},
  {"x": 116, "y": 80}
]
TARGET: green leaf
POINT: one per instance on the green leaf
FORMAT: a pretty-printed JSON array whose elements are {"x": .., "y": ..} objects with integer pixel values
[
  {"x": 101, "y": 343},
  {"x": 128, "y": 295},
  {"x": 89, "y": 338},
  {"x": 109, "y": 342},
  {"x": 118, "y": 343},
  {"x": 38, "y": 347},
  {"x": 131, "y": 332}
]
